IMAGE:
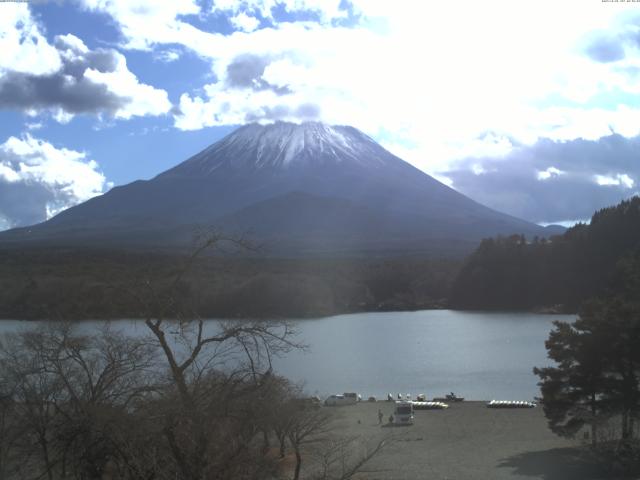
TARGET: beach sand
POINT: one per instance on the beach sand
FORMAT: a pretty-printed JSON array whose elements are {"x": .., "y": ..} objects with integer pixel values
[{"x": 467, "y": 441}]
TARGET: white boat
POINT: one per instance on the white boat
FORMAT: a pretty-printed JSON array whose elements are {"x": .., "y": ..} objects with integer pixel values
[
  {"x": 510, "y": 404},
  {"x": 430, "y": 405}
]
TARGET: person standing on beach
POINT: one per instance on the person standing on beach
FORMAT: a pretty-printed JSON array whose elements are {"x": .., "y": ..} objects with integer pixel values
[{"x": 380, "y": 416}]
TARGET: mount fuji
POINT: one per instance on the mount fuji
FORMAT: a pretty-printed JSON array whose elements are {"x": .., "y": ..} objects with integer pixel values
[{"x": 297, "y": 189}]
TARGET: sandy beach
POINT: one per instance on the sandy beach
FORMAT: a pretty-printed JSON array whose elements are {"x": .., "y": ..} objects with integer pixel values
[{"x": 467, "y": 441}]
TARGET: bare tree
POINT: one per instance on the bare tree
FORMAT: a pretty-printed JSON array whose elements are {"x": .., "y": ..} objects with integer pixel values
[
  {"x": 216, "y": 372},
  {"x": 306, "y": 427},
  {"x": 70, "y": 393},
  {"x": 336, "y": 458},
  {"x": 35, "y": 393},
  {"x": 10, "y": 430},
  {"x": 311, "y": 433}
]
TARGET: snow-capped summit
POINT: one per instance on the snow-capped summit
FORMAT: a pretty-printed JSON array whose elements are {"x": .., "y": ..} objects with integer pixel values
[
  {"x": 283, "y": 145},
  {"x": 300, "y": 189}
]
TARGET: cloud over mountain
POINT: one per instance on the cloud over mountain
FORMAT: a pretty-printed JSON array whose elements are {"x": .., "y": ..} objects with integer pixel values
[
  {"x": 389, "y": 68},
  {"x": 554, "y": 181},
  {"x": 448, "y": 87}
]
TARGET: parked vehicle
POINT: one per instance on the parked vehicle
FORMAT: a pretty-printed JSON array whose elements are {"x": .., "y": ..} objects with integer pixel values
[
  {"x": 452, "y": 397},
  {"x": 421, "y": 397},
  {"x": 372, "y": 399},
  {"x": 449, "y": 398},
  {"x": 403, "y": 413},
  {"x": 344, "y": 399},
  {"x": 354, "y": 397},
  {"x": 389, "y": 397},
  {"x": 336, "y": 400}
]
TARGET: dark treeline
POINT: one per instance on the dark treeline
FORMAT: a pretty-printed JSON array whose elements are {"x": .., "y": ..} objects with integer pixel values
[
  {"x": 80, "y": 284},
  {"x": 561, "y": 273}
]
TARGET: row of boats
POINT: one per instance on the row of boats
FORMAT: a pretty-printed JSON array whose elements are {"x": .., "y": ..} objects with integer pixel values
[
  {"x": 429, "y": 405},
  {"x": 510, "y": 404},
  {"x": 439, "y": 405},
  {"x": 421, "y": 397},
  {"x": 421, "y": 403}
]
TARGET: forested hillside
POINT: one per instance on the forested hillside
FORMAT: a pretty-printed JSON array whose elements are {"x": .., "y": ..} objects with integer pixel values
[
  {"x": 586, "y": 261},
  {"x": 81, "y": 284}
]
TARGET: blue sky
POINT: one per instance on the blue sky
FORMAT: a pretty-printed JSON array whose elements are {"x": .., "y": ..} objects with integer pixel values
[{"x": 532, "y": 108}]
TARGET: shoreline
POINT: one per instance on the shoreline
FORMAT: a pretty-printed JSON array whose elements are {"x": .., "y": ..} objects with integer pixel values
[
  {"x": 435, "y": 352},
  {"x": 545, "y": 312},
  {"x": 467, "y": 441}
]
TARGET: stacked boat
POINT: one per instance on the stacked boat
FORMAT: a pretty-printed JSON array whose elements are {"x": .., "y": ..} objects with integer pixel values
[
  {"x": 510, "y": 404},
  {"x": 429, "y": 405}
]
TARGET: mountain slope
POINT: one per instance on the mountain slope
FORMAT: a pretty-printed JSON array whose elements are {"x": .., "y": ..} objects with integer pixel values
[{"x": 299, "y": 188}]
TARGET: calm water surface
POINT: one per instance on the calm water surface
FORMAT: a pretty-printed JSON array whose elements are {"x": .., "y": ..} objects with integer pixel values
[{"x": 477, "y": 355}]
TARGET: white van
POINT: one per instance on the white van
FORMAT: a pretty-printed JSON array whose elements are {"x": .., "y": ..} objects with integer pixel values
[
  {"x": 344, "y": 399},
  {"x": 403, "y": 413},
  {"x": 353, "y": 397},
  {"x": 335, "y": 400}
]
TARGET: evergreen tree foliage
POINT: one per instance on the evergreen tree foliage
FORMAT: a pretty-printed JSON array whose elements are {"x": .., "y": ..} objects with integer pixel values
[
  {"x": 585, "y": 262},
  {"x": 597, "y": 372}
]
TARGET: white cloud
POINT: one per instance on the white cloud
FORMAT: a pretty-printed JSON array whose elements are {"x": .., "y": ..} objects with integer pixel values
[
  {"x": 239, "y": 107},
  {"x": 478, "y": 169},
  {"x": 38, "y": 180},
  {"x": 67, "y": 78},
  {"x": 24, "y": 48},
  {"x": 618, "y": 180},
  {"x": 147, "y": 22},
  {"x": 60, "y": 116},
  {"x": 167, "y": 56},
  {"x": 562, "y": 123},
  {"x": 454, "y": 79},
  {"x": 549, "y": 173},
  {"x": 143, "y": 99},
  {"x": 244, "y": 22},
  {"x": 327, "y": 10},
  {"x": 34, "y": 125}
]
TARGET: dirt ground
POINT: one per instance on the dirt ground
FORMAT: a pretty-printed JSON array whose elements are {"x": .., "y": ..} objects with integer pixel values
[{"x": 467, "y": 441}]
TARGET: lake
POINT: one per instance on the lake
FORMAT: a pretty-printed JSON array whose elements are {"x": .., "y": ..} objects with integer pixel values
[{"x": 477, "y": 355}]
